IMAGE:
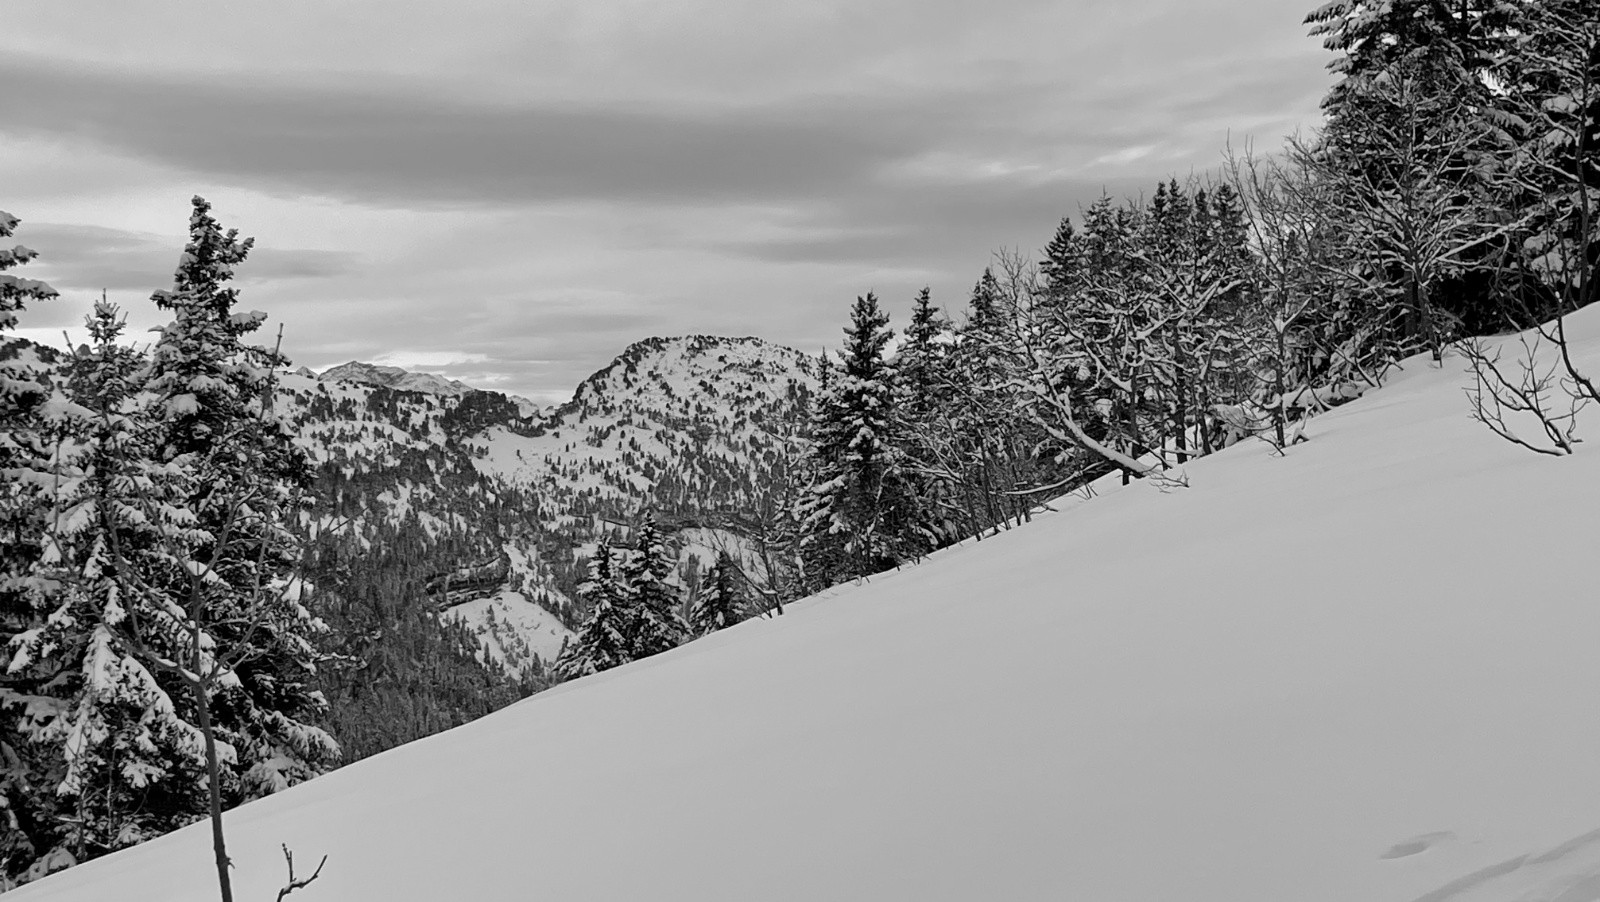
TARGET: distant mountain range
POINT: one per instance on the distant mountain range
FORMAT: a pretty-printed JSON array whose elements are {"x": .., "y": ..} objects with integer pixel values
[
  {"x": 394, "y": 377},
  {"x": 506, "y": 500}
]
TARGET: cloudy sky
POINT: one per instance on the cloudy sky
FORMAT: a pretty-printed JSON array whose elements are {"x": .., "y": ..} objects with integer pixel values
[{"x": 511, "y": 191}]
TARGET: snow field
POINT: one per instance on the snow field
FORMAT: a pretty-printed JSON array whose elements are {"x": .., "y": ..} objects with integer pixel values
[{"x": 512, "y": 629}]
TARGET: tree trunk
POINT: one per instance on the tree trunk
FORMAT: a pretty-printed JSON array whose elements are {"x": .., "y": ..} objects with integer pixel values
[
  {"x": 1278, "y": 411},
  {"x": 213, "y": 774}
]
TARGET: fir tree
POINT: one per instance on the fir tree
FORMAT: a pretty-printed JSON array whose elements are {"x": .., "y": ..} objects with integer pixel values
[
  {"x": 919, "y": 361},
  {"x": 175, "y": 629},
  {"x": 603, "y": 642},
  {"x": 1372, "y": 35},
  {"x": 656, "y": 619},
  {"x": 1061, "y": 263},
  {"x": 720, "y": 601},
  {"x": 860, "y": 515},
  {"x": 24, "y": 445},
  {"x": 213, "y": 599},
  {"x": 127, "y": 769},
  {"x": 30, "y": 833}
]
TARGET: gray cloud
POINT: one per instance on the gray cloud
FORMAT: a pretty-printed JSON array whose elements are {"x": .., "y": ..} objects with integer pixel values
[
  {"x": 934, "y": 228},
  {"x": 657, "y": 169},
  {"x": 94, "y": 257},
  {"x": 397, "y": 147},
  {"x": 272, "y": 263},
  {"x": 387, "y": 144}
]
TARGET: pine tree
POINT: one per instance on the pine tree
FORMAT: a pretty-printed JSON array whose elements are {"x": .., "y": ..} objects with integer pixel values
[
  {"x": 176, "y": 636},
  {"x": 1061, "y": 265},
  {"x": 656, "y": 622},
  {"x": 1197, "y": 272},
  {"x": 919, "y": 361},
  {"x": 720, "y": 601},
  {"x": 30, "y": 833},
  {"x": 1550, "y": 103},
  {"x": 1370, "y": 36},
  {"x": 1415, "y": 133},
  {"x": 1110, "y": 331},
  {"x": 124, "y": 768},
  {"x": 861, "y": 514},
  {"x": 24, "y": 445},
  {"x": 603, "y": 642},
  {"x": 213, "y": 599}
]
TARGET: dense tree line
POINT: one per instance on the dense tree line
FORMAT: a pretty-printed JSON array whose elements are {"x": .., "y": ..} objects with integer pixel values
[{"x": 1450, "y": 194}]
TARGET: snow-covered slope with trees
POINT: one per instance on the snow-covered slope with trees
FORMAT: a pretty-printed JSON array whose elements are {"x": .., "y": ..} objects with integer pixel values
[
  {"x": 682, "y": 419},
  {"x": 697, "y": 428},
  {"x": 513, "y": 631},
  {"x": 703, "y": 431},
  {"x": 1364, "y": 670}
]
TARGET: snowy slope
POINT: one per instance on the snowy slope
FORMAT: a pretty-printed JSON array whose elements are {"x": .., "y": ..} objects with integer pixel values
[
  {"x": 1366, "y": 671},
  {"x": 513, "y": 630}
]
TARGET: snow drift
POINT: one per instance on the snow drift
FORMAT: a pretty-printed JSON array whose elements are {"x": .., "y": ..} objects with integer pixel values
[{"x": 1364, "y": 671}]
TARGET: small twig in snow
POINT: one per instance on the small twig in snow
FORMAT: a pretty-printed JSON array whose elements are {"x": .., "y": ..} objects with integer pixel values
[{"x": 301, "y": 883}]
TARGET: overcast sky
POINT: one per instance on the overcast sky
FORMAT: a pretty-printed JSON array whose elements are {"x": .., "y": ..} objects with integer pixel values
[{"x": 512, "y": 191}]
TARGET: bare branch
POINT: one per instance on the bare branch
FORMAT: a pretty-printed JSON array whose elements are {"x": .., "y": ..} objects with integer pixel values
[{"x": 294, "y": 882}]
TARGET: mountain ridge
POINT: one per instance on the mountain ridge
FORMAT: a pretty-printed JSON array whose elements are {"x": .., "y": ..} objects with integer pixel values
[
  {"x": 687, "y": 427},
  {"x": 396, "y": 378}
]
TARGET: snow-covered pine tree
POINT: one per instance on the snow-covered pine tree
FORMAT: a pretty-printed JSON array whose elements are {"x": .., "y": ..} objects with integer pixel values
[
  {"x": 1112, "y": 327},
  {"x": 1070, "y": 356},
  {"x": 28, "y": 830},
  {"x": 1372, "y": 35},
  {"x": 721, "y": 602},
  {"x": 213, "y": 601},
  {"x": 981, "y": 407},
  {"x": 603, "y": 642},
  {"x": 919, "y": 360},
  {"x": 1224, "y": 348},
  {"x": 1169, "y": 251},
  {"x": 1062, "y": 266},
  {"x": 655, "y": 605},
  {"x": 861, "y": 514},
  {"x": 102, "y": 735},
  {"x": 1550, "y": 102},
  {"x": 1198, "y": 273},
  {"x": 1415, "y": 133},
  {"x": 1405, "y": 152},
  {"x": 24, "y": 446},
  {"x": 935, "y": 449}
]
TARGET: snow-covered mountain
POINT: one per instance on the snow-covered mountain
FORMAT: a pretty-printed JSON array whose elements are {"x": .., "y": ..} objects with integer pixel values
[
  {"x": 1361, "y": 670},
  {"x": 396, "y": 378},
  {"x": 684, "y": 421},
  {"x": 697, "y": 430}
]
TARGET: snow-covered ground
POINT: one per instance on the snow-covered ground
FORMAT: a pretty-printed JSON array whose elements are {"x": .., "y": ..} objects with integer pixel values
[
  {"x": 1367, "y": 671},
  {"x": 512, "y": 630}
]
